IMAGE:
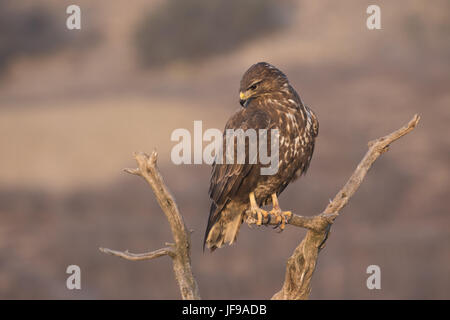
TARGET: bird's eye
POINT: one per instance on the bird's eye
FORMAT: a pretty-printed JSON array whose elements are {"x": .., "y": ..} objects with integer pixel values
[{"x": 253, "y": 86}]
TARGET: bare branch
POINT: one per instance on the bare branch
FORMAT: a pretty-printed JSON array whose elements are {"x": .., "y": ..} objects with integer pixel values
[
  {"x": 302, "y": 263},
  {"x": 140, "y": 256},
  {"x": 180, "y": 251},
  {"x": 316, "y": 223},
  {"x": 376, "y": 148}
]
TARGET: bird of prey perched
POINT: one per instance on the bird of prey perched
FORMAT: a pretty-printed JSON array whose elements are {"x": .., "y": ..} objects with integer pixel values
[{"x": 268, "y": 102}]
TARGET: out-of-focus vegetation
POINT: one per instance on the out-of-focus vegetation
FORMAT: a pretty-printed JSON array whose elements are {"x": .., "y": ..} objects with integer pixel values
[
  {"x": 28, "y": 31},
  {"x": 194, "y": 29},
  {"x": 33, "y": 30}
]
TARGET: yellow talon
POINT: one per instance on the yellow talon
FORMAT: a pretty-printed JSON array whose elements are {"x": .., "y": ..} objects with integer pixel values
[
  {"x": 281, "y": 217},
  {"x": 261, "y": 214}
]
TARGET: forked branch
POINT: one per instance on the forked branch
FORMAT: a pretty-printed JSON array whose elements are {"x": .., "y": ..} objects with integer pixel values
[
  {"x": 302, "y": 263},
  {"x": 179, "y": 251}
]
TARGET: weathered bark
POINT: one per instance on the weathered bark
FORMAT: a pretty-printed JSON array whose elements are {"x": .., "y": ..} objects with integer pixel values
[
  {"x": 178, "y": 251},
  {"x": 302, "y": 263}
]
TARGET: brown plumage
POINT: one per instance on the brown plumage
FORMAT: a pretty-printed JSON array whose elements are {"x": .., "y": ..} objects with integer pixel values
[{"x": 269, "y": 102}]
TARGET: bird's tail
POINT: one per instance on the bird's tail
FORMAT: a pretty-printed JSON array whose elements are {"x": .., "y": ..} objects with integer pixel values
[{"x": 224, "y": 229}]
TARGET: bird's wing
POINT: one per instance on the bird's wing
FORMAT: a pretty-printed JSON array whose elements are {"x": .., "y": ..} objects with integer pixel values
[
  {"x": 227, "y": 178},
  {"x": 314, "y": 122}
]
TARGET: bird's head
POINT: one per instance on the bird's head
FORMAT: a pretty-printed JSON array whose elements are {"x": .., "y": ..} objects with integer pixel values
[{"x": 260, "y": 79}]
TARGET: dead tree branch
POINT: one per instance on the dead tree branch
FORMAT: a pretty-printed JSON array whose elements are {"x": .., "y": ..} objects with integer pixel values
[
  {"x": 180, "y": 250},
  {"x": 302, "y": 263},
  {"x": 140, "y": 256}
]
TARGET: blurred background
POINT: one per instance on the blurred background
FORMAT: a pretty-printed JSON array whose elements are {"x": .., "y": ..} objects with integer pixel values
[{"x": 75, "y": 105}]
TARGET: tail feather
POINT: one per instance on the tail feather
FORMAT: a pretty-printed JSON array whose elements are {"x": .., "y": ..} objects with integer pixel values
[
  {"x": 211, "y": 220},
  {"x": 224, "y": 229},
  {"x": 232, "y": 229}
]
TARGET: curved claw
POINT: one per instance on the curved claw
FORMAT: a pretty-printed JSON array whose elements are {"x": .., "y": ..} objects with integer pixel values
[
  {"x": 283, "y": 218},
  {"x": 262, "y": 214}
]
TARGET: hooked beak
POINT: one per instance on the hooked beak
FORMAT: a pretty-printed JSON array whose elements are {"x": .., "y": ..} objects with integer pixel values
[{"x": 243, "y": 99}]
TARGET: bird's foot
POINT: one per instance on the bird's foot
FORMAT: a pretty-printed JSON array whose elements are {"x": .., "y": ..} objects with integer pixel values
[
  {"x": 281, "y": 218},
  {"x": 261, "y": 215}
]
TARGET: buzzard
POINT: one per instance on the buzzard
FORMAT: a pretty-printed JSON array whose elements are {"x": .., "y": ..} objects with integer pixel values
[{"x": 268, "y": 102}]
